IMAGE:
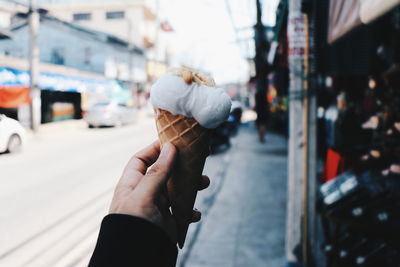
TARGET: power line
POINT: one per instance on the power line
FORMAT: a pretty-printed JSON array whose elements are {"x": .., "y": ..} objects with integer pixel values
[
  {"x": 229, "y": 11},
  {"x": 238, "y": 41},
  {"x": 17, "y": 3}
]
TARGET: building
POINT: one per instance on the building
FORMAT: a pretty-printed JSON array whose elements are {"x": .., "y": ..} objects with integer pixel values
[
  {"x": 80, "y": 66},
  {"x": 7, "y": 10},
  {"x": 74, "y": 46},
  {"x": 132, "y": 21},
  {"x": 4, "y": 34}
]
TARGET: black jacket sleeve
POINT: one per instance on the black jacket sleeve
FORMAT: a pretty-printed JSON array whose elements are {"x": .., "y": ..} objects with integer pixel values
[{"x": 127, "y": 241}]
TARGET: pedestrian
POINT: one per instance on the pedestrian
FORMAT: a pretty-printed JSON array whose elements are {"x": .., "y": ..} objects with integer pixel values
[
  {"x": 261, "y": 108},
  {"x": 140, "y": 229}
]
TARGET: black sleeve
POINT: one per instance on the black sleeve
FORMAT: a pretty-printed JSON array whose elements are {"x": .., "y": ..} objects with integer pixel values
[{"x": 127, "y": 241}]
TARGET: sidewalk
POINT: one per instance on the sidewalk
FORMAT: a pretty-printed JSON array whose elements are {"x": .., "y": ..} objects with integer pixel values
[{"x": 245, "y": 208}]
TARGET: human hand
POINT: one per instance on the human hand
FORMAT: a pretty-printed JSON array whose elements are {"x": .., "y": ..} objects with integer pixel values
[{"x": 141, "y": 192}]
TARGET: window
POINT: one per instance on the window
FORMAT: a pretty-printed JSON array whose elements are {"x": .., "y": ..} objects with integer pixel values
[
  {"x": 115, "y": 15},
  {"x": 101, "y": 104},
  {"x": 87, "y": 56},
  {"x": 82, "y": 16},
  {"x": 57, "y": 56}
]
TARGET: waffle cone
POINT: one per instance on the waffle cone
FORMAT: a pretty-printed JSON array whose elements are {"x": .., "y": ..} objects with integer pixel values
[{"x": 191, "y": 141}]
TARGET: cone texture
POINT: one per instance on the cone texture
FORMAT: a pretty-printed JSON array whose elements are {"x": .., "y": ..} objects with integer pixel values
[{"x": 191, "y": 141}]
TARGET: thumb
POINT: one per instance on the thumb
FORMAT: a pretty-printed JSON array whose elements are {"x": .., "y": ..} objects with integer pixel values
[{"x": 157, "y": 176}]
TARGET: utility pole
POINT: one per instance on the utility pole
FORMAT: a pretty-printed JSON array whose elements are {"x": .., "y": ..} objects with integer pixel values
[
  {"x": 261, "y": 104},
  {"x": 131, "y": 48},
  {"x": 301, "y": 235},
  {"x": 295, "y": 203},
  {"x": 131, "y": 63},
  {"x": 261, "y": 59},
  {"x": 35, "y": 107}
]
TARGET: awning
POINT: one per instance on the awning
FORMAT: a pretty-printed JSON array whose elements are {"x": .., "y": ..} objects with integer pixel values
[
  {"x": 13, "y": 97},
  {"x": 345, "y": 15},
  {"x": 281, "y": 17},
  {"x": 4, "y": 34},
  {"x": 373, "y": 9},
  {"x": 47, "y": 81},
  {"x": 14, "y": 86}
]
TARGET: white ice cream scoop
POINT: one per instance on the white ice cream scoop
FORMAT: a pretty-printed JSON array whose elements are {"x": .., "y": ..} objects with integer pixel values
[{"x": 210, "y": 106}]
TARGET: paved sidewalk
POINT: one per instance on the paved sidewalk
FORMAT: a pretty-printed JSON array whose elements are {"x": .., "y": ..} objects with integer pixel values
[{"x": 244, "y": 210}]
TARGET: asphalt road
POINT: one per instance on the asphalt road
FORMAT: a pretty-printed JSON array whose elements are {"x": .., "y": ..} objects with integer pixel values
[{"x": 54, "y": 194}]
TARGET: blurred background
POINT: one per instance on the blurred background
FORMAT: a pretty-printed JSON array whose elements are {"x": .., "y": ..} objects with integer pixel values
[{"x": 305, "y": 172}]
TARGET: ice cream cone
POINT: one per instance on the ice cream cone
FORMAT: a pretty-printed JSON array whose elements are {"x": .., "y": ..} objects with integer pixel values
[
  {"x": 187, "y": 104},
  {"x": 191, "y": 141}
]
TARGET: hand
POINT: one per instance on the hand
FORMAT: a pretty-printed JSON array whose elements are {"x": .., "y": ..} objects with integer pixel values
[{"x": 143, "y": 193}]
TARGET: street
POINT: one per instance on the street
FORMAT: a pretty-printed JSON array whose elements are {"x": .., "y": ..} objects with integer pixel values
[{"x": 55, "y": 193}]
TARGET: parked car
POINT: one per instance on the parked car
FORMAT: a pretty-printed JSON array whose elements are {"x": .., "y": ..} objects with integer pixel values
[
  {"x": 110, "y": 114},
  {"x": 220, "y": 136},
  {"x": 235, "y": 117},
  {"x": 12, "y": 135}
]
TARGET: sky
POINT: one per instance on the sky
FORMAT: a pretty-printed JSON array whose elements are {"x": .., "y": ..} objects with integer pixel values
[{"x": 207, "y": 37}]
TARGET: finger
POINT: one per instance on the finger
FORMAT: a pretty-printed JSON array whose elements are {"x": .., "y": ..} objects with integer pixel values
[
  {"x": 145, "y": 158},
  {"x": 196, "y": 216},
  {"x": 155, "y": 179},
  {"x": 204, "y": 182},
  {"x": 138, "y": 164}
]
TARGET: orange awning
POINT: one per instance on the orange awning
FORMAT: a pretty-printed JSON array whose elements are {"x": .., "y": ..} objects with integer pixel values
[{"x": 13, "y": 97}]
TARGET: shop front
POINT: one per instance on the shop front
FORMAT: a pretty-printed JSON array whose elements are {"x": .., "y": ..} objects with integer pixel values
[
  {"x": 359, "y": 136},
  {"x": 62, "y": 97},
  {"x": 13, "y": 93},
  {"x": 344, "y": 133}
]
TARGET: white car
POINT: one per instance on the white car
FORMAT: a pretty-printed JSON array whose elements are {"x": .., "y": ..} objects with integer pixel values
[
  {"x": 110, "y": 114},
  {"x": 12, "y": 135}
]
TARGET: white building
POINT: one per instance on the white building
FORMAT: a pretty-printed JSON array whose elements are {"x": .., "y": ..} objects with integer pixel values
[
  {"x": 130, "y": 20},
  {"x": 78, "y": 47},
  {"x": 7, "y": 10}
]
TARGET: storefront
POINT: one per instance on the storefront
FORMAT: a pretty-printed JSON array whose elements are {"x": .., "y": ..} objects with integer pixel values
[
  {"x": 62, "y": 97},
  {"x": 14, "y": 92},
  {"x": 344, "y": 133},
  {"x": 359, "y": 135}
]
